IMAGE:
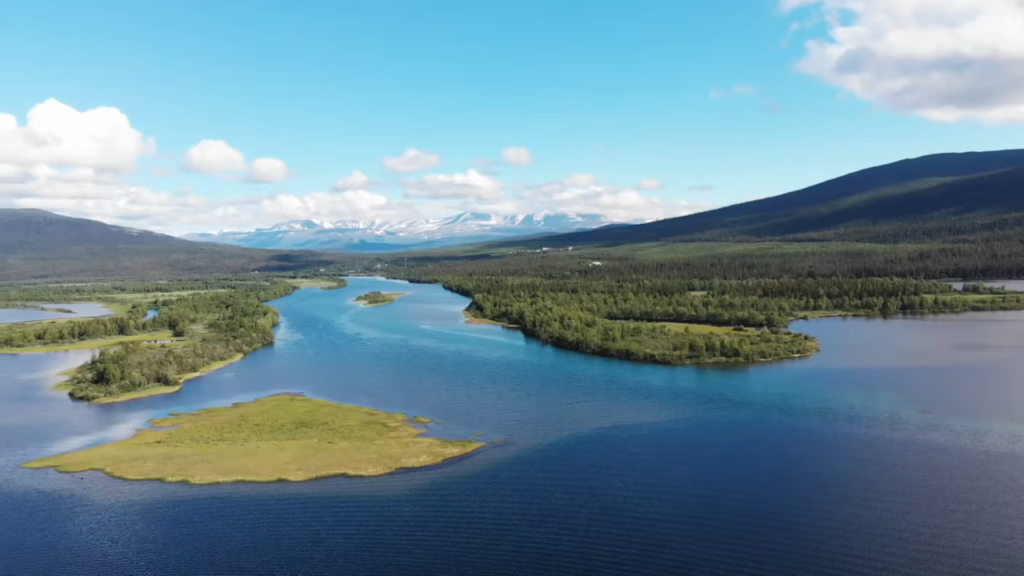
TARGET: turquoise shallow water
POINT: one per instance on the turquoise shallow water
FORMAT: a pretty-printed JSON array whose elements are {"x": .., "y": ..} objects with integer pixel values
[{"x": 899, "y": 449}]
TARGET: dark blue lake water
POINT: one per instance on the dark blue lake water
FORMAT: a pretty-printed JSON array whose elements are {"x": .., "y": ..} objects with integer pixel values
[
  {"x": 81, "y": 310},
  {"x": 897, "y": 450}
]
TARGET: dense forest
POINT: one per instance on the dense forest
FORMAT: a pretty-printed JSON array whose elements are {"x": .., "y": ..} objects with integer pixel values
[
  {"x": 223, "y": 325},
  {"x": 656, "y": 312},
  {"x": 215, "y": 320}
]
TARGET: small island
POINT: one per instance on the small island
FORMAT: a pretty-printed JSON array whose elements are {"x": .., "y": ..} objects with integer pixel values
[
  {"x": 377, "y": 298},
  {"x": 285, "y": 437}
]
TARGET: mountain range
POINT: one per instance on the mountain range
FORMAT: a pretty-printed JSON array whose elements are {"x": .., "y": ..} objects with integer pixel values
[
  {"x": 949, "y": 207},
  {"x": 396, "y": 235}
]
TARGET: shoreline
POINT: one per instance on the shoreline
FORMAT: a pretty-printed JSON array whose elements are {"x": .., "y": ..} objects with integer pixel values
[
  {"x": 471, "y": 318},
  {"x": 392, "y": 296},
  {"x": 310, "y": 439},
  {"x": 161, "y": 390},
  {"x": 95, "y": 344}
]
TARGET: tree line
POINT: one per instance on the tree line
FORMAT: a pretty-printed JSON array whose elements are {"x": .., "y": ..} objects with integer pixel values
[{"x": 620, "y": 308}]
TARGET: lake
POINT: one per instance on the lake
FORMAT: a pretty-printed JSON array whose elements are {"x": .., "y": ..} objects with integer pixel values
[
  {"x": 81, "y": 310},
  {"x": 899, "y": 450}
]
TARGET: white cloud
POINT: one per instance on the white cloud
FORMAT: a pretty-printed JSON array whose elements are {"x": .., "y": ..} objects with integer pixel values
[
  {"x": 650, "y": 184},
  {"x": 56, "y": 134},
  {"x": 268, "y": 170},
  {"x": 356, "y": 181},
  {"x": 412, "y": 160},
  {"x": 945, "y": 60},
  {"x": 472, "y": 185},
  {"x": 581, "y": 180},
  {"x": 517, "y": 155},
  {"x": 212, "y": 156},
  {"x": 113, "y": 201},
  {"x": 582, "y": 193},
  {"x": 219, "y": 157},
  {"x": 358, "y": 204},
  {"x": 10, "y": 174}
]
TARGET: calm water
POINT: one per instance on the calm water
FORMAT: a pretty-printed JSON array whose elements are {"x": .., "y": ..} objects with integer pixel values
[
  {"x": 898, "y": 450},
  {"x": 82, "y": 310},
  {"x": 1015, "y": 285}
]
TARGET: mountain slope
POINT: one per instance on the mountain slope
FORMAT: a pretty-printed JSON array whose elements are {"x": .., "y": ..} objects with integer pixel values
[
  {"x": 388, "y": 236},
  {"x": 937, "y": 198},
  {"x": 35, "y": 244}
]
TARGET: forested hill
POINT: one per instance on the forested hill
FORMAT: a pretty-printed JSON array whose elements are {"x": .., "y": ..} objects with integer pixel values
[
  {"x": 939, "y": 198},
  {"x": 35, "y": 244}
]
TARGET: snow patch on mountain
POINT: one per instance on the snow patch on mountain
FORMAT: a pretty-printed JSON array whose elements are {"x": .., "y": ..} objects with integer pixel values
[{"x": 382, "y": 235}]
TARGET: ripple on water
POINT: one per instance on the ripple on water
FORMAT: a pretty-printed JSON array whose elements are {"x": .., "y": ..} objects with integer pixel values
[{"x": 897, "y": 450}]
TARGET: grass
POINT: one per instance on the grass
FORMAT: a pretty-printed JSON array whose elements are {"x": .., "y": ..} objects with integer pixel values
[
  {"x": 91, "y": 344},
  {"x": 322, "y": 283},
  {"x": 135, "y": 395},
  {"x": 700, "y": 328},
  {"x": 473, "y": 318},
  {"x": 211, "y": 367},
  {"x": 277, "y": 438},
  {"x": 379, "y": 298}
]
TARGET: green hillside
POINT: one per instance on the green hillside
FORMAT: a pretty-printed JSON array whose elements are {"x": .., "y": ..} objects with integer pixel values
[
  {"x": 35, "y": 244},
  {"x": 939, "y": 198}
]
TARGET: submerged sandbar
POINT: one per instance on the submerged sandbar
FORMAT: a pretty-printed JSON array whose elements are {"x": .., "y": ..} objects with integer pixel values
[{"x": 286, "y": 437}]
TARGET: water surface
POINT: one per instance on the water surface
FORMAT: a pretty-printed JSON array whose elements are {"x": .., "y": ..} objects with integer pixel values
[
  {"x": 899, "y": 449},
  {"x": 81, "y": 310}
]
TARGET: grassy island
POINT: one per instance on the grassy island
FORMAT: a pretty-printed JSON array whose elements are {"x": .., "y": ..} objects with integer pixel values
[
  {"x": 376, "y": 298},
  {"x": 284, "y": 437}
]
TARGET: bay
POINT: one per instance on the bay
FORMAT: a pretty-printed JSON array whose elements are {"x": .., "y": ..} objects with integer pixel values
[{"x": 898, "y": 449}]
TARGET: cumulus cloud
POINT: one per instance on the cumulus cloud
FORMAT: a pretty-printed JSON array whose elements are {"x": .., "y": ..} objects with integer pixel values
[
  {"x": 945, "y": 60},
  {"x": 583, "y": 193},
  {"x": 412, "y": 160},
  {"x": 116, "y": 202},
  {"x": 59, "y": 135},
  {"x": 650, "y": 184},
  {"x": 358, "y": 204},
  {"x": 10, "y": 174},
  {"x": 268, "y": 170},
  {"x": 219, "y": 157},
  {"x": 471, "y": 185},
  {"x": 517, "y": 155},
  {"x": 356, "y": 181},
  {"x": 213, "y": 156},
  {"x": 582, "y": 180}
]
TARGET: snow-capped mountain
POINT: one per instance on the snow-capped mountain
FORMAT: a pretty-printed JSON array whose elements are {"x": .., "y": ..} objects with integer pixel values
[{"x": 385, "y": 236}]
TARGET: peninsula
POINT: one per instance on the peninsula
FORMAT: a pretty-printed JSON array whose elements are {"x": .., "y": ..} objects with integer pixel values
[
  {"x": 285, "y": 437},
  {"x": 376, "y": 298}
]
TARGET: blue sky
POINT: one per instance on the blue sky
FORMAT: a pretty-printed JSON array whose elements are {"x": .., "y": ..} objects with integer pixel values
[{"x": 720, "y": 102}]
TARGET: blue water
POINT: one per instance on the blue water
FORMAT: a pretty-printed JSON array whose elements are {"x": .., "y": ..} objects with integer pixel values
[
  {"x": 82, "y": 310},
  {"x": 897, "y": 450}
]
